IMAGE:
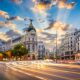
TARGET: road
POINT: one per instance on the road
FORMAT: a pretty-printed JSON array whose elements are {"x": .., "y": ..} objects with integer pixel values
[{"x": 38, "y": 70}]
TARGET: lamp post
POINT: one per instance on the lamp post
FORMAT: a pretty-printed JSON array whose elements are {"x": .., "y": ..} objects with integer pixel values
[{"x": 56, "y": 46}]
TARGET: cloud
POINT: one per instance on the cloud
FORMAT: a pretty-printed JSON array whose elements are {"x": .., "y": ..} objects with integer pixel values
[
  {"x": 41, "y": 20},
  {"x": 14, "y": 28},
  {"x": 39, "y": 11},
  {"x": 58, "y": 25},
  {"x": 4, "y": 14},
  {"x": 71, "y": 5},
  {"x": 2, "y": 24},
  {"x": 7, "y": 25},
  {"x": 12, "y": 33},
  {"x": 4, "y": 37},
  {"x": 39, "y": 30},
  {"x": 10, "y": 25},
  {"x": 17, "y": 1},
  {"x": 46, "y": 37},
  {"x": 64, "y": 4},
  {"x": 50, "y": 25},
  {"x": 40, "y": 6},
  {"x": 15, "y": 18},
  {"x": 49, "y": 36},
  {"x": 39, "y": 33}
]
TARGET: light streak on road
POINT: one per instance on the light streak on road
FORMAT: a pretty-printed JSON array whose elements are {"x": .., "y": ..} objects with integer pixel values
[
  {"x": 15, "y": 69},
  {"x": 44, "y": 70},
  {"x": 62, "y": 65},
  {"x": 41, "y": 72},
  {"x": 43, "y": 66}
]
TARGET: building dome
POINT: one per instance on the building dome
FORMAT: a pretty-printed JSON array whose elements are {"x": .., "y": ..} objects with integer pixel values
[{"x": 31, "y": 27}]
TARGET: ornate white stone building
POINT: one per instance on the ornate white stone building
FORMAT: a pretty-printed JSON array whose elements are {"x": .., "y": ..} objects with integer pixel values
[{"x": 29, "y": 39}]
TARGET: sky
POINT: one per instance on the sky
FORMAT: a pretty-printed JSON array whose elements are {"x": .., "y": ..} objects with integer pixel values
[{"x": 48, "y": 16}]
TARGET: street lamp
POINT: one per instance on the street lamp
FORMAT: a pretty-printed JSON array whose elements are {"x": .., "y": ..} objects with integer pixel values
[
  {"x": 56, "y": 46},
  {"x": 22, "y": 46}
]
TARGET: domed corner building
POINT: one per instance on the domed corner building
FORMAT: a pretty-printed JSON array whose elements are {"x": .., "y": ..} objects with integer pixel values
[{"x": 31, "y": 41}]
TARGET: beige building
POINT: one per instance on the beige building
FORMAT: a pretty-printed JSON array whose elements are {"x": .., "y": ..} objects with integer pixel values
[
  {"x": 77, "y": 43},
  {"x": 67, "y": 47}
]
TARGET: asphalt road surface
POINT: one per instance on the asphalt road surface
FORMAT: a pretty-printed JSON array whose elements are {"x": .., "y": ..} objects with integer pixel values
[{"x": 38, "y": 70}]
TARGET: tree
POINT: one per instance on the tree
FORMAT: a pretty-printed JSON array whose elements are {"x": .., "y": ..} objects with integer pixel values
[
  {"x": 19, "y": 51},
  {"x": 8, "y": 54},
  {"x": 1, "y": 55}
]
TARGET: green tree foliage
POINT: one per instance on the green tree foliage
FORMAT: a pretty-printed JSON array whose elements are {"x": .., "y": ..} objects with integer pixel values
[
  {"x": 1, "y": 55},
  {"x": 19, "y": 50}
]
